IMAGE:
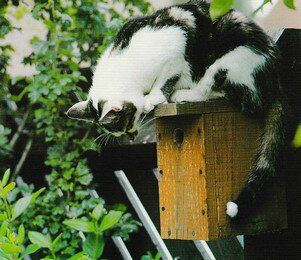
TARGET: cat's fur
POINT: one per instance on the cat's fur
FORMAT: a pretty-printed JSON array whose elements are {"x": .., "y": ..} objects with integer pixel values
[{"x": 178, "y": 54}]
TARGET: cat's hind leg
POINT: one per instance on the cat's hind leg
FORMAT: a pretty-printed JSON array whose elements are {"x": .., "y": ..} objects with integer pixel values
[{"x": 231, "y": 75}]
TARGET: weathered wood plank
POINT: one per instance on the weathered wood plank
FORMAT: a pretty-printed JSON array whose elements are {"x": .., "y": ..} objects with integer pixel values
[
  {"x": 195, "y": 108},
  {"x": 180, "y": 219}
]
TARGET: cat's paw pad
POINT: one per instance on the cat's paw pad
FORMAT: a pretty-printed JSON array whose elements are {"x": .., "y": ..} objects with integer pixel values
[
  {"x": 232, "y": 209},
  {"x": 185, "y": 95}
]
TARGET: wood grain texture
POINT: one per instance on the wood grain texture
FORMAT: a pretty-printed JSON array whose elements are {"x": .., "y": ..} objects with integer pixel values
[
  {"x": 183, "y": 178},
  {"x": 194, "y": 108},
  {"x": 210, "y": 167}
]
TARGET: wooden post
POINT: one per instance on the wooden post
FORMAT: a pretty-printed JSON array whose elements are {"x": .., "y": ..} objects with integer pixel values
[{"x": 205, "y": 152}]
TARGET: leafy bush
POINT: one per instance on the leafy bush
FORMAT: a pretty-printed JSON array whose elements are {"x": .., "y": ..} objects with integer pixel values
[
  {"x": 77, "y": 33},
  {"x": 12, "y": 236},
  {"x": 101, "y": 222},
  {"x": 100, "y": 225},
  {"x": 220, "y": 7}
]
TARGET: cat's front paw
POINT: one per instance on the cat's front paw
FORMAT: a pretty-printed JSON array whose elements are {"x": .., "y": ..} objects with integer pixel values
[
  {"x": 152, "y": 100},
  {"x": 148, "y": 106},
  {"x": 186, "y": 95}
]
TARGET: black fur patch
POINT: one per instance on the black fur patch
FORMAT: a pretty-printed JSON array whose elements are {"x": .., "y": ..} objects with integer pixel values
[
  {"x": 168, "y": 87},
  {"x": 248, "y": 101},
  {"x": 120, "y": 121},
  {"x": 197, "y": 48}
]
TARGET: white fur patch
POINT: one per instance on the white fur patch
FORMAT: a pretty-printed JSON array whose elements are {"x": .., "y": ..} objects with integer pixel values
[
  {"x": 240, "y": 64},
  {"x": 178, "y": 14},
  {"x": 232, "y": 209},
  {"x": 151, "y": 58}
]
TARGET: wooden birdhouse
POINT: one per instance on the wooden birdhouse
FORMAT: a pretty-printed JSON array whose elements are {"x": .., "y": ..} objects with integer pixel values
[{"x": 205, "y": 153}]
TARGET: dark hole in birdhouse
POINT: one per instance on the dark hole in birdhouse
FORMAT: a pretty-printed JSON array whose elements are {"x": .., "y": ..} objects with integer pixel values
[
  {"x": 178, "y": 136},
  {"x": 163, "y": 208}
]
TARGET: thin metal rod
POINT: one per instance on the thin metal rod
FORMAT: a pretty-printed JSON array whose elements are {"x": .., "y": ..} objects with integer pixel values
[
  {"x": 241, "y": 241},
  {"x": 204, "y": 249},
  {"x": 122, "y": 248},
  {"x": 143, "y": 215}
]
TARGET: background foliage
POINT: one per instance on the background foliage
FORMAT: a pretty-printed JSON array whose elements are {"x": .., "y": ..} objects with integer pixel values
[
  {"x": 33, "y": 109},
  {"x": 220, "y": 7}
]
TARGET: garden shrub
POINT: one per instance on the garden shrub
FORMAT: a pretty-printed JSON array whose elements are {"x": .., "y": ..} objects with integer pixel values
[{"x": 77, "y": 33}]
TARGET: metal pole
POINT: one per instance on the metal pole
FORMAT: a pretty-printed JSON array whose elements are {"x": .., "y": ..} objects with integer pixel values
[
  {"x": 122, "y": 248},
  {"x": 143, "y": 215}
]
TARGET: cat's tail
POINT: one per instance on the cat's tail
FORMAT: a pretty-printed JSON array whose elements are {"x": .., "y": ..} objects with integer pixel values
[{"x": 271, "y": 144}]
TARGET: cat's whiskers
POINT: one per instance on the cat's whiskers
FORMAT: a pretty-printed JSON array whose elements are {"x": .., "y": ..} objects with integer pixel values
[
  {"x": 142, "y": 119},
  {"x": 146, "y": 123},
  {"x": 98, "y": 137}
]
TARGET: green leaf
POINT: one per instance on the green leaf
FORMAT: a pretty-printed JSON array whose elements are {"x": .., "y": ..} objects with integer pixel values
[
  {"x": 5, "y": 177},
  {"x": 297, "y": 138},
  {"x": 40, "y": 239},
  {"x": 158, "y": 256},
  {"x": 7, "y": 189},
  {"x": 30, "y": 249},
  {"x": 8, "y": 248},
  {"x": 3, "y": 228},
  {"x": 3, "y": 217},
  {"x": 57, "y": 239},
  {"x": 35, "y": 195},
  {"x": 80, "y": 225},
  {"x": 220, "y": 7},
  {"x": 98, "y": 211},
  {"x": 290, "y": 4},
  {"x": 110, "y": 220},
  {"x": 120, "y": 207},
  {"x": 79, "y": 256},
  {"x": 3, "y": 256},
  {"x": 20, "y": 206},
  {"x": 21, "y": 234},
  {"x": 94, "y": 245}
]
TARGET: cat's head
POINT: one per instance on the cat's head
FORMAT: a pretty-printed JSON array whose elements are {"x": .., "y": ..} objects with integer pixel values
[{"x": 118, "y": 118}]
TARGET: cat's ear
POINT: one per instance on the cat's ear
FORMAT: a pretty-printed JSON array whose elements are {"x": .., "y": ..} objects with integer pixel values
[{"x": 80, "y": 111}]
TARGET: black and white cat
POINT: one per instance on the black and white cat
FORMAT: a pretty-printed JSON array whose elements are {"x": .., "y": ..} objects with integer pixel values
[{"x": 178, "y": 54}]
